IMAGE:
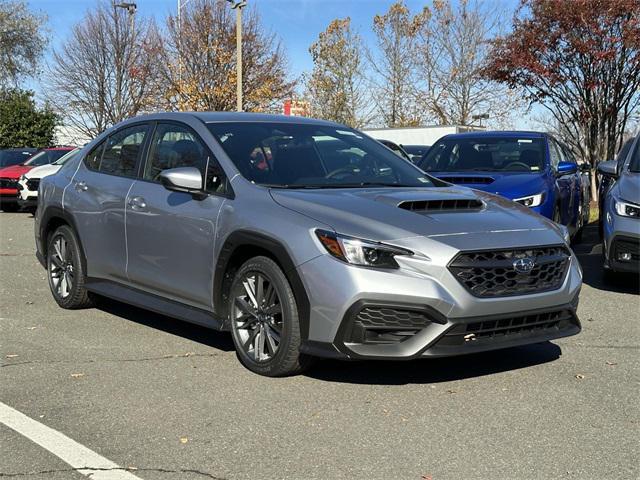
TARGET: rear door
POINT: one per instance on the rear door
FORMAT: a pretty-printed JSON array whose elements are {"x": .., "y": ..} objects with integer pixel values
[
  {"x": 171, "y": 235},
  {"x": 97, "y": 198}
]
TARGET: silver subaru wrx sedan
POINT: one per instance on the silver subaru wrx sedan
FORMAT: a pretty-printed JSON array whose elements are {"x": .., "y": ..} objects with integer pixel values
[{"x": 302, "y": 237}]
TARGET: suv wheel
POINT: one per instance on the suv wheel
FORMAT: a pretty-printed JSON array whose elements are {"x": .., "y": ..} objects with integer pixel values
[
  {"x": 65, "y": 271},
  {"x": 264, "y": 320}
]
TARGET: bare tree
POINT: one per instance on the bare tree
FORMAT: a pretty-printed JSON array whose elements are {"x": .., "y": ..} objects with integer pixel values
[
  {"x": 454, "y": 48},
  {"x": 337, "y": 85},
  {"x": 199, "y": 60},
  {"x": 581, "y": 63},
  {"x": 397, "y": 35},
  {"x": 107, "y": 71},
  {"x": 22, "y": 41}
]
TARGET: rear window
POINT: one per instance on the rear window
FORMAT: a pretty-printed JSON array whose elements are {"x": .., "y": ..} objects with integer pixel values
[{"x": 461, "y": 154}]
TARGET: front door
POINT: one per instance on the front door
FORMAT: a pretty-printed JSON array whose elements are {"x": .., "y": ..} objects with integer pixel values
[
  {"x": 98, "y": 192},
  {"x": 171, "y": 235}
]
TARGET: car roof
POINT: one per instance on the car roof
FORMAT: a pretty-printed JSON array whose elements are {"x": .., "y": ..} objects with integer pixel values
[
  {"x": 60, "y": 148},
  {"x": 18, "y": 149},
  {"x": 213, "y": 117},
  {"x": 498, "y": 133}
]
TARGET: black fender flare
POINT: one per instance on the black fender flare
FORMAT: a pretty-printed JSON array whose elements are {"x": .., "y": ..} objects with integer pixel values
[{"x": 244, "y": 238}]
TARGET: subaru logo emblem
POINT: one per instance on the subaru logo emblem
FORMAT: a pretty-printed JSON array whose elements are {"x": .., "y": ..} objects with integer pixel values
[{"x": 523, "y": 265}]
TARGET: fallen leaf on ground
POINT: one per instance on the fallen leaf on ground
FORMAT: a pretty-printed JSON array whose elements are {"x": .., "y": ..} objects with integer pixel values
[
  {"x": 12, "y": 355},
  {"x": 31, "y": 328},
  {"x": 426, "y": 477},
  {"x": 451, "y": 391},
  {"x": 77, "y": 375},
  {"x": 29, "y": 302},
  {"x": 579, "y": 376},
  {"x": 611, "y": 363},
  {"x": 184, "y": 439}
]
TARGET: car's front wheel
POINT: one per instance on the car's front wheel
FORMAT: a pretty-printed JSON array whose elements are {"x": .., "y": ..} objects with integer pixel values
[
  {"x": 264, "y": 319},
  {"x": 65, "y": 270}
]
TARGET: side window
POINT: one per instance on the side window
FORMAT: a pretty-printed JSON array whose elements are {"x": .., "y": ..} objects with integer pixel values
[
  {"x": 122, "y": 150},
  {"x": 92, "y": 160},
  {"x": 175, "y": 146},
  {"x": 555, "y": 155}
]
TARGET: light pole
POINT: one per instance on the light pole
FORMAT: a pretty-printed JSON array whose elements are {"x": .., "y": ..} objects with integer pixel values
[
  {"x": 131, "y": 8},
  {"x": 238, "y": 5}
]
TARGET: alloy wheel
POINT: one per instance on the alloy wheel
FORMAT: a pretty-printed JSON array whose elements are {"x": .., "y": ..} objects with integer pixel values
[
  {"x": 256, "y": 315},
  {"x": 61, "y": 267}
]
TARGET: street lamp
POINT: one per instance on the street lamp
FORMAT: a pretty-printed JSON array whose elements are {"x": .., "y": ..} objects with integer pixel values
[
  {"x": 130, "y": 7},
  {"x": 238, "y": 5}
]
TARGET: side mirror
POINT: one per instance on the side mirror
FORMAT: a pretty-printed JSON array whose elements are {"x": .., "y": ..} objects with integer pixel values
[
  {"x": 182, "y": 179},
  {"x": 566, "y": 168},
  {"x": 609, "y": 168}
]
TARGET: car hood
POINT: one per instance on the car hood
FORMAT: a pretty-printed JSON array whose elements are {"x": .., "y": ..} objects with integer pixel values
[
  {"x": 43, "y": 171},
  {"x": 629, "y": 187},
  {"x": 14, "y": 171},
  {"x": 376, "y": 214},
  {"x": 508, "y": 184}
]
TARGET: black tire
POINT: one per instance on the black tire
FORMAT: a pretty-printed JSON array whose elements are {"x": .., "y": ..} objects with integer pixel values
[
  {"x": 278, "y": 318},
  {"x": 9, "y": 207},
  {"x": 67, "y": 266}
]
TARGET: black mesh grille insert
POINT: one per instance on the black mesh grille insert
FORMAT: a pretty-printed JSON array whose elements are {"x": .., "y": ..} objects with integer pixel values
[
  {"x": 468, "y": 180},
  {"x": 8, "y": 183},
  {"x": 439, "y": 205},
  {"x": 494, "y": 274},
  {"x": 509, "y": 327},
  {"x": 33, "y": 184},
  {"x": 384, "y": 317}
]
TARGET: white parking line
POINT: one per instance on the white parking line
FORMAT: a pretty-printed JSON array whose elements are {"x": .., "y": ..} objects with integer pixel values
[{"x": 85, "y": 461}]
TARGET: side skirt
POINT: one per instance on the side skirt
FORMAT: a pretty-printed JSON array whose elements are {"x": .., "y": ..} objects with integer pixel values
[{"x": 152, "y": 302}]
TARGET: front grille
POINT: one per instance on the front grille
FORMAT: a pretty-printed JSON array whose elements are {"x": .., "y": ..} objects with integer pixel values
[
  {"x": 8, "y": 183},
  {"x": 33, "y": 184},
  {"x": 440, "y": 205},
  {"x": 494, "y": 274},
  {"x": 507, "y": 328},
  {"x": 468, "y": 180},
  {"x": 626, "y": 245}
]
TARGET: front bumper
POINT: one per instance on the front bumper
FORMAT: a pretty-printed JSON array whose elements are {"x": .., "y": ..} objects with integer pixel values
[
  {"x": 428, "y": 313},
  {"x": 621, "y": 235}
]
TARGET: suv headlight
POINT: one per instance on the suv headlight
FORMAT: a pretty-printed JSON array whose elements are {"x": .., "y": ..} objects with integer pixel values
[
  {"x": 626, "y": 209},
  {"x": 360, "y": 252},
  {"x": 532, "y": 200}
]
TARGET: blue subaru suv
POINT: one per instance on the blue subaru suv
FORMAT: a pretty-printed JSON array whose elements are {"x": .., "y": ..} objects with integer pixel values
[{"x": 531, "y": 168}]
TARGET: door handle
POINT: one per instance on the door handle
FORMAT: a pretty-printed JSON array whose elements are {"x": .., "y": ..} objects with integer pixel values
[
  {"x": 81, "y": 186},
  {"x": 137, "y": 203}
]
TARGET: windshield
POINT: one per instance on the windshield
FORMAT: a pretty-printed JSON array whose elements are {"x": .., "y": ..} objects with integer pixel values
[
  {"x": 65, "y": 158},
  {"x": 14, "y": 157},
  {"x": 313, "y": 156},
  {"x": 634, "y": 165},
  {"x": 485, "y": 154},
  {"x": 45, "y": 157}
]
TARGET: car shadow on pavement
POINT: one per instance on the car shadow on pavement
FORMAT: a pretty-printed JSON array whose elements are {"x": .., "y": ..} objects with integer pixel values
[
  {"x": 589, "y": 252},
  {"x": 435, "y": 370},
  {"x": 206, "y": 336}
]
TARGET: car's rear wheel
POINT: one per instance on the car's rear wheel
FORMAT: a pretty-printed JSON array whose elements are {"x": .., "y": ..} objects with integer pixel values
[
  {"x": 65, "y": 271},
  {"x": 264, "y": 320}
]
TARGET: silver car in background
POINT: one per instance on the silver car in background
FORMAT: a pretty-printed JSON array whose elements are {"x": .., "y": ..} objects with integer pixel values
[
  {"x": 621, "y": 212},
  {"x": 302, "y": 237}
]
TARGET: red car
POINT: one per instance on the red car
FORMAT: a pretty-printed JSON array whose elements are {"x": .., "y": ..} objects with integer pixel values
[{"x": 9, "y": 175}]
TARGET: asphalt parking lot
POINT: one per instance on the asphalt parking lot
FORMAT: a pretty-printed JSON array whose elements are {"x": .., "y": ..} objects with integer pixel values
[{"x": 166, "y": 400}]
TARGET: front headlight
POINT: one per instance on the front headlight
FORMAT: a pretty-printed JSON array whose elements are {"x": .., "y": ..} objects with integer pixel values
[
  {"x": 626, "y": 209},
  {"x": 360, "y": 252},
  {"x": 532, "y": 200}
]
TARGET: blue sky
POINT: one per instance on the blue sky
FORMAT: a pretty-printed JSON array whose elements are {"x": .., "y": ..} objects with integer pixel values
[{"x": 297, "y": 22}]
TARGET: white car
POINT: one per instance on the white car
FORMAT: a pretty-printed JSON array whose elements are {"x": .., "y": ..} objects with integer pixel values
[{"x": 29, "y": 182}]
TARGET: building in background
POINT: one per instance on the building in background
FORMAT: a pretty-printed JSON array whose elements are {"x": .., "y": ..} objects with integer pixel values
[
  {"x": 297, "y": 108},
  {"x": 418, "y": 135}
]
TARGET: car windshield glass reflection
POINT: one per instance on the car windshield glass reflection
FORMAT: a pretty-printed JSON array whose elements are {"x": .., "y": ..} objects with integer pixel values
[{"x": 312, "y": 156}]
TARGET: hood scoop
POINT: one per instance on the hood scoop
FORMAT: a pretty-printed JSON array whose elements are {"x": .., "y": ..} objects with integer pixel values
[
  {"x": 468, "y": 180},
  {"x": 446, "y": 205}
]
